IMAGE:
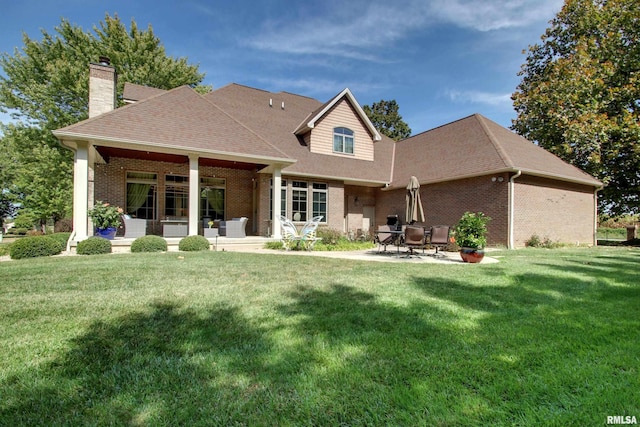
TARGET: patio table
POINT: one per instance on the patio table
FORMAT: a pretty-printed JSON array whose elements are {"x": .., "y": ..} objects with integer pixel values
[{"x": 174, "y": 227}]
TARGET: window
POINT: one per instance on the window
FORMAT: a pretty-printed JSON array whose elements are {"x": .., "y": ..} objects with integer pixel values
[
  {"x": 176, "y": 201},
  {"x": 299, "y": 200},
  {"x": 320, "y": 200},
  {"x": 283, "y": 198},
  {"x": 141, "y": 194},
  {"x": 212, "y": 198},
  {"x": 301, "y": 193},
  {"x": 342, "y": 140}
]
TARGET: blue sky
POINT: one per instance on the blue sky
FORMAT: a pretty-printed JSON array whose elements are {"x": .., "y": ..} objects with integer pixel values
[{"x": 441, "y": 60}]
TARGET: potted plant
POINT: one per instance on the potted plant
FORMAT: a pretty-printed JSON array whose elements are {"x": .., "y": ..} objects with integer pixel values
[
  {"x": 106, "y": 219},
  {"x": 471, "y": 236}
]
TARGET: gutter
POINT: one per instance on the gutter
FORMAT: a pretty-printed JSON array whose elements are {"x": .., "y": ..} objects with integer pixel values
[
  {"x": 512, "y": 209},
  {"x": 167, "y": 148}
]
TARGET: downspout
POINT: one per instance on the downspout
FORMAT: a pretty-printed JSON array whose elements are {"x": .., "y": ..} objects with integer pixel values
[{"x": 512, "y": 209}]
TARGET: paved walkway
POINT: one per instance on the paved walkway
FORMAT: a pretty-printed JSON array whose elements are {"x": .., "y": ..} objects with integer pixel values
[
  {"x": 374, "y": 255},
  {"x": 363, "y": 255}
]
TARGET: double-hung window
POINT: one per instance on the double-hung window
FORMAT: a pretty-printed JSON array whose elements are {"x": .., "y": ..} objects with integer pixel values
[
  {"x": 308, "y": 200},
  {"x": 342, "y": 140},
  {"x": 320, "y": 200},
  {"x": 299, "y": 198}
]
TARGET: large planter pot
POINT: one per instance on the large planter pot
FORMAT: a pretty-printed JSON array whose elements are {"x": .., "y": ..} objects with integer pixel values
[
  {"x": 471, "y": 255},
  {"x": 106, "y": 233},
  {"x": 210, "y": 233}
]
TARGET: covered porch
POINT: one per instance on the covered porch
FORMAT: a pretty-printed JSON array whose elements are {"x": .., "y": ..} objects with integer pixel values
[{"x": 163, "y": 186}]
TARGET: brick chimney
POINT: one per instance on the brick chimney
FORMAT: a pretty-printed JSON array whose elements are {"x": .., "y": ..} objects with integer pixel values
[{"x": 102, "y": 87}]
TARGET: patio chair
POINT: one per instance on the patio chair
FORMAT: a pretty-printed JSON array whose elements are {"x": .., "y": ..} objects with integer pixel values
[
  {"x": 384, "y": 237},
  {"x": 234, "y": 228},
  {"x": 414, "y": 238},
  {"x": 439, "y": 237},
  {"x": 308, "y": 232},
  {"x": 289, "y": 233},
  {"x": 134, "y": 227},
  {"x": 307, "y": 235}
]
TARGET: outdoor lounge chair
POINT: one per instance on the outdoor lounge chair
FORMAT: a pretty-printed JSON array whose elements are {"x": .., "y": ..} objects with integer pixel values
[
  {"x": 414, "y": 238},
  {"x": 134, "y": 227},
  {"x": 234, "y": 228},
  {"x": 439, "y": 237}
]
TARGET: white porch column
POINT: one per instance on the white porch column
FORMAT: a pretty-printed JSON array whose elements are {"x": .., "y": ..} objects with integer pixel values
[
  {"x": 194, "y": 194},
  {"x": 277, "y": 200},
  {"x": 80, "y": 189}
]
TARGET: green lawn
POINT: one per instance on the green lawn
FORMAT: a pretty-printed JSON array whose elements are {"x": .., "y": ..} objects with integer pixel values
[{"x": 545, "y": 337}]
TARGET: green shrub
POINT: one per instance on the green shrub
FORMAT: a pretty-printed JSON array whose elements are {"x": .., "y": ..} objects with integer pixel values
[
  {"x": 329, "y": 236},
  {"x": 536, "y": 242},
  {"x": 93, "y": 246},
  {"x": 34, "y": 246},
  {"x": 61, "y": 238},
  {"x": 149, "y": 244},
  {"x": 194, "y": 243},
  {"x": 25, "y": 220},
  {"x": 4, "y": 248},
  {"x": 17, "y": 231}
]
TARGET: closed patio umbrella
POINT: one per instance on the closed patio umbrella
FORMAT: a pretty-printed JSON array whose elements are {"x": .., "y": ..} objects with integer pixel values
[{"x": 414, "y": 205}]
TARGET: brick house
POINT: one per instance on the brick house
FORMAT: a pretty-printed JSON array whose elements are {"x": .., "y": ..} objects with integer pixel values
[{"x": 240, "y": 151}]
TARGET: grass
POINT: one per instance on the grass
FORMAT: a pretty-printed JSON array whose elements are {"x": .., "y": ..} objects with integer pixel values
[
  {"x": 545, "y": 337},
  {"x": 619, "y": 233}
]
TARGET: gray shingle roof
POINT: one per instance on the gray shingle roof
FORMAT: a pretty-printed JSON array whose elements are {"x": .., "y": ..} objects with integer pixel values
[
  {"x": 241, "y": 123},
  {"x": 475, "y": 146},
  {"x": 133, "y": 92},
  {"x": 252, "y": 108},
  {"x": 179, "y": 119}
]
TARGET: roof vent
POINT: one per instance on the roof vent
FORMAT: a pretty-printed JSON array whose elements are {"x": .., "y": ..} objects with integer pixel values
[
  {"x": 283, "y": 105},
  {"x": 270, "y": 102}
]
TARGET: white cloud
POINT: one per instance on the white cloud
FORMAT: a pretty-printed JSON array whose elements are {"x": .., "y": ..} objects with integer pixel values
[
  {"x": 318, "y": 87},
  {"x": 479, "y": 97},
  {"x": 348, "y": 32},
  {"x": 490, "y": 15},
  {"x": 359, "y": 29}
]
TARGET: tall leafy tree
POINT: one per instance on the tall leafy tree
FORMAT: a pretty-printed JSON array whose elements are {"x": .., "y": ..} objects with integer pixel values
[
  {"x": 41, "y": 171},
  {"x": 385, "y": 117},
  {"x": 46, "y": 87},
  {"x": 580, "y": 95}
]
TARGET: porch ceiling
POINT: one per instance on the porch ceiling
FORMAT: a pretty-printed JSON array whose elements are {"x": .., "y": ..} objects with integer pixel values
[{"x": 108, "y": 152}]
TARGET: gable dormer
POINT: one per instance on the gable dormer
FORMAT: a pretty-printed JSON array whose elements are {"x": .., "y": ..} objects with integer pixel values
[{"x": 340, "y": 128}]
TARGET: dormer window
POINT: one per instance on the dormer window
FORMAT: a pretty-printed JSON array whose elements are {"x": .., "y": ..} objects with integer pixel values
[{"x": 342, "y": 140}]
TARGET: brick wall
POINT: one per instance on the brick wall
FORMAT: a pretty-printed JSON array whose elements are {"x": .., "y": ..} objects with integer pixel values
[
  {"x": 444, "y": 203},
  {"x": 559, "y": 211},
  {"x": 335, "y": 202},
  {"x": 110, "y": 185},
  {"x": 562, "y": 212}
]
